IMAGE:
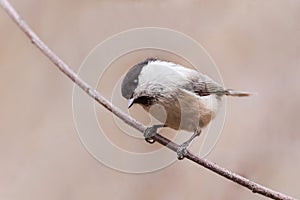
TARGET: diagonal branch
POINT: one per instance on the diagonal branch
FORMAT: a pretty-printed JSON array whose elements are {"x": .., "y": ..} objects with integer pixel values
[{"x": 62, "y": 66}]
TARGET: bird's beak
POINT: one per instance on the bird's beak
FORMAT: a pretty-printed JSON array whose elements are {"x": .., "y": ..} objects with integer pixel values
[{"x": 130, "y": 102}]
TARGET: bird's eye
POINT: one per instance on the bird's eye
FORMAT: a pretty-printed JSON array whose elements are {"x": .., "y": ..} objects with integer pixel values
[{"x": 135, "y": 80}]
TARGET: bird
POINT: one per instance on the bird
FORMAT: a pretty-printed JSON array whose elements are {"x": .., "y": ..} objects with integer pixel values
[{"x": 180, "y": 98}]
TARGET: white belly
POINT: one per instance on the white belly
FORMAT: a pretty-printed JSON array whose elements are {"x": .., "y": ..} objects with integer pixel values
[{"x": 187, "y": 112}]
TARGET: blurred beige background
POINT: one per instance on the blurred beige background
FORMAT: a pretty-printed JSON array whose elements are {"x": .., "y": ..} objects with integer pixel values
[{"x": 256, "y": 45}]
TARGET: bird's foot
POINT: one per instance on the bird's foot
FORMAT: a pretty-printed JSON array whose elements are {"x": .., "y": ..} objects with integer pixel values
[
  {"x": 182, "y": 150},
  {"x": 150, "y": 132}
]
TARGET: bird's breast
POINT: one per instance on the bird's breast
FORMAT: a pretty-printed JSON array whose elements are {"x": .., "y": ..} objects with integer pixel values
[{"x": 185, "y": 111}]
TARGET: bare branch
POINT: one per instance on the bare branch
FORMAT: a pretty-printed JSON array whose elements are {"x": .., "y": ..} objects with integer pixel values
[{"x": 62, "y": 66}]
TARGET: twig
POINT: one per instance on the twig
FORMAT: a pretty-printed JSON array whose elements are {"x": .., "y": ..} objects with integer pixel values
[{"x": 254, "y": 187}]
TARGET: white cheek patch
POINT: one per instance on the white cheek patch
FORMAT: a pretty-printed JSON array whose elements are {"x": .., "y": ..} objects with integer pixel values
[{"x": 165, "y": 73}]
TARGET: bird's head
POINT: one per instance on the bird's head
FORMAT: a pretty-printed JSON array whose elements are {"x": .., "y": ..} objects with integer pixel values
[{"x": 132, "y": 88}]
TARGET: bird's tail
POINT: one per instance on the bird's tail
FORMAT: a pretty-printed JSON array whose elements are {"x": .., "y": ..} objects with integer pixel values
[{"x": 237, "y": 93}]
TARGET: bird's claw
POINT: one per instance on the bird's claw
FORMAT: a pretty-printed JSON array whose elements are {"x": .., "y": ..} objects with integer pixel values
[
  {"x": 149, "y": 133},
  {"x": 182, "y": 151}
]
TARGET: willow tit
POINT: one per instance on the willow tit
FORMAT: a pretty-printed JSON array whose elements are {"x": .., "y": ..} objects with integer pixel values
[{"x": 185, "y": 99}]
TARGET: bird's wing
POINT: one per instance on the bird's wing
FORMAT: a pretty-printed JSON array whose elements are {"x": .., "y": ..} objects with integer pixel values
[
  {"x": 202, "y": 85},
  {"x": 193, "y": 81}
]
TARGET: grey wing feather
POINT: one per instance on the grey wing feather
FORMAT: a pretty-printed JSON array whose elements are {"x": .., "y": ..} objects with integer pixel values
[{"x": 204, "y": 86}]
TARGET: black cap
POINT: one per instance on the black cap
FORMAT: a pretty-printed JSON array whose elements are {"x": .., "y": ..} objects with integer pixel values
[{"x": 131, "y": 79}]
